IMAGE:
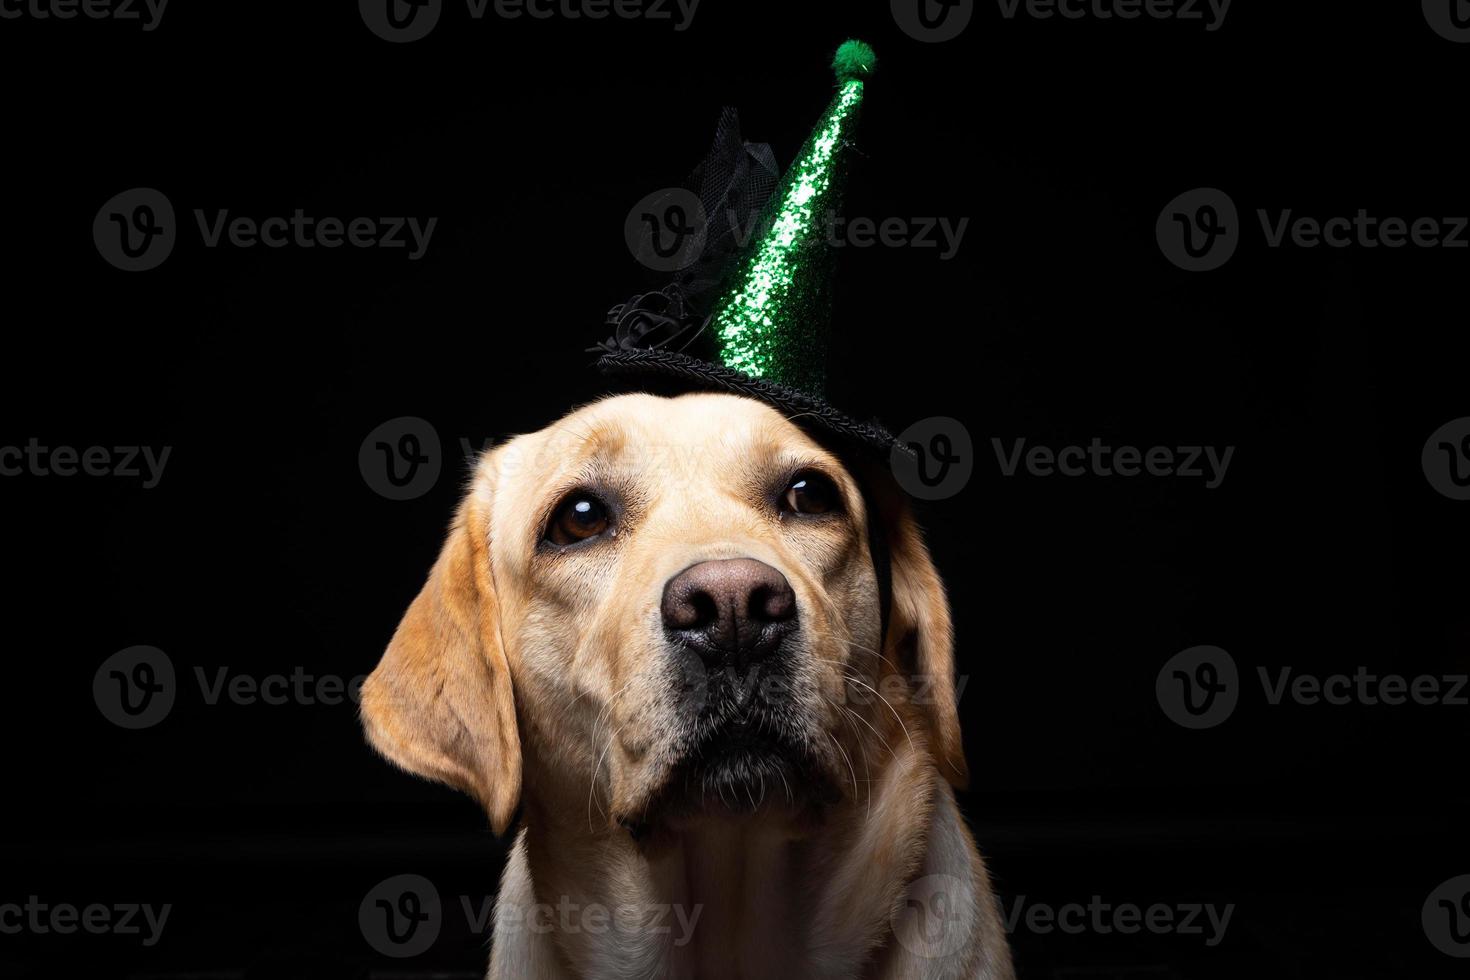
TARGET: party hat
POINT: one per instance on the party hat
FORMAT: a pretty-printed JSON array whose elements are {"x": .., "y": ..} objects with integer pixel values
[
  {"x": 769, "y": 324},
  {"x": 759, "y": 292}
]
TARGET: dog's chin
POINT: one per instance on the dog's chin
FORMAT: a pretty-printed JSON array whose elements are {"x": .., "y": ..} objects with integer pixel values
[{"x": 738, "y": 772}]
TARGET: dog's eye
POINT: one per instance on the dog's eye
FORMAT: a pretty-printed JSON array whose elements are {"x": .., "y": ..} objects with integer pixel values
[
  {"x": 577, "y": 518},
  {"x": 810, "y": 493}
]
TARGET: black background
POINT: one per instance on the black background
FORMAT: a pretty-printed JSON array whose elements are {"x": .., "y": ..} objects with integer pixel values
[{"x": 263, "y": 549}]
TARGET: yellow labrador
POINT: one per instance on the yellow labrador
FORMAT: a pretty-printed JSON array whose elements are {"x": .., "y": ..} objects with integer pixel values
[{"x": 658, "y": 630}]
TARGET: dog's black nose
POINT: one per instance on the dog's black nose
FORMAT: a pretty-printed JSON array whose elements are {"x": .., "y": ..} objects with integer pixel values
[{"x": 731, "y": 608}]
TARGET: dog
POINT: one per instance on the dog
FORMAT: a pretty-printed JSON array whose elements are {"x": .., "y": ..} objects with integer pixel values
[{"x": 709, "y": 675}]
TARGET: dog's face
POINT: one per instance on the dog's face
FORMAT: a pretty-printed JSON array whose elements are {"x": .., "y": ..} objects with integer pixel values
[{"x": 666, "y": 608}]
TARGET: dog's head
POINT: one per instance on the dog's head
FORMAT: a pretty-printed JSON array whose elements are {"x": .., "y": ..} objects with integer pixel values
[{"x": 667, "y": 607}]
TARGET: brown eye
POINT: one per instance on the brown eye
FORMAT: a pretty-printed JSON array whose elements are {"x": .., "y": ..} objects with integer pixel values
[
  {"x": 577, "y": 518},
  {"x": 810, "y": 493}
]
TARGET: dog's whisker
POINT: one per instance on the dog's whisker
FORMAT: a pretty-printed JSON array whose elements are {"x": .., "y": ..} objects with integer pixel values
[
  {"x": 875, "y": 731},
  {"x": 862, "y": 747},
  {"x": 597, "y": 766},
  {"x": 592, "y": 786},
  {"x": 849, "y": 675},
  {"x": 867, "y": 771},
  {"x": 891, "y": 708},
  {"x": 606, "y": 710},
  {"x": 849, "y": 641},
  {"x": 851, "y": 771}
]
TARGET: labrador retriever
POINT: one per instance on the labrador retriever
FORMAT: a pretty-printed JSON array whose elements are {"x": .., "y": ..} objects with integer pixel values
[{"x": 660, "y": 639}]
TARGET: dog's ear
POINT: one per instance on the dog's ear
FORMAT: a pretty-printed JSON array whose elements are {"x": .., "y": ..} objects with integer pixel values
[
  {"x": 440, "y": 702},
  {"x": 920, "y": 637}
]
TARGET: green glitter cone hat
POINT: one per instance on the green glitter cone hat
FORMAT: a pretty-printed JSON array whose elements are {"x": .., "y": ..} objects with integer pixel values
[
  {"x": 749, "y": 313},
  {"x": 764, "y": 323}
]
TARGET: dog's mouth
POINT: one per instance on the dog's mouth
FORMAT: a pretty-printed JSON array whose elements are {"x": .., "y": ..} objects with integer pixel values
[{"x": 737, "y": 766}]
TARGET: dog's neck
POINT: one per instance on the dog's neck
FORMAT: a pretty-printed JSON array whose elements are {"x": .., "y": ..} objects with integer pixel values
[
  {"x": 728, "y": 896},
  {"x": 716, "y": 900}
]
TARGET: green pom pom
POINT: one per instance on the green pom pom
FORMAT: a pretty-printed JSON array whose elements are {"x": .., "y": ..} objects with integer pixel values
[{"x": 854, "y": 59}]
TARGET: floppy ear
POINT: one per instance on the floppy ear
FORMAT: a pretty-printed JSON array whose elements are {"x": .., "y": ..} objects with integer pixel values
[
  {"x": 440, "y": 702},
  {"x": 920, "y": 636}
]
